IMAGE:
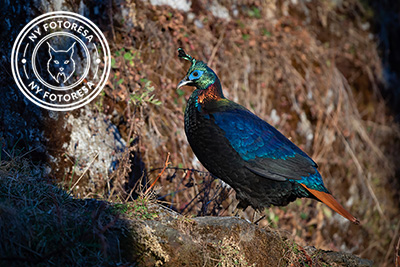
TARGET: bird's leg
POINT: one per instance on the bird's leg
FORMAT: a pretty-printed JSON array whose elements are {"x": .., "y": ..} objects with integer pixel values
[
  {"x": 237, "y": 213},
  {"x": 240, "y": 208},
  {"x": 254, "y": 217},
  {"x": 259, "y": 219}
]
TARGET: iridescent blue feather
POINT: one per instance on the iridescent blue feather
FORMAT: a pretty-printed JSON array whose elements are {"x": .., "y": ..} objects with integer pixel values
[{"x": 261, "y": 145}]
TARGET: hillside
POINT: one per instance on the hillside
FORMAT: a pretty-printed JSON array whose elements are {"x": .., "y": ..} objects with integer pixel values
[{"x": 312, "y": 69}]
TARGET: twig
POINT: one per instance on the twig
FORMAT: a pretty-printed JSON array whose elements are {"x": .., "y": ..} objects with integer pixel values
[
  {"x": 308, "y": 259},
  {"x": 397, "y": 257},
  {"x": 87, "y": 168},
  {"x": 110, "y": 16},
  {"x": 392, "y": 243},
  {"x": 362, "y": 176},
  {"x": 130, "y": 192},
  {"x": 30, "y": 151},
  {"x": 181, "y": 169},
  {"x": 159, "y": 175},
  {"x": 216, "y": 47}
]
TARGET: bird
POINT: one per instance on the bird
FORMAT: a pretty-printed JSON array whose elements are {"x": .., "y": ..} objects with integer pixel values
[{"x": 263, "y": 166}]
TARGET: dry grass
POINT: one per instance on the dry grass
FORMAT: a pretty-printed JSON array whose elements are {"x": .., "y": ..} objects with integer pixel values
[
  {"x": 41, "y": 225},
  {"x": 308, "y": 69}
]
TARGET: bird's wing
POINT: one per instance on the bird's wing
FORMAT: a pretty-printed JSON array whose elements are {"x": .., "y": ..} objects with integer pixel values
[{"x": 266, "y": 151}]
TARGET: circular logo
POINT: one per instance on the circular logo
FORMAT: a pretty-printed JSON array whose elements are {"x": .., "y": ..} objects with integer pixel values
[{"x": 60, "y": 61}]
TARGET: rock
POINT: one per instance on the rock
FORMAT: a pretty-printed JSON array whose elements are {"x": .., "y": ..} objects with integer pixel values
[
  {"x": 65, "y": 231},
  {"x": 339, "y": 258},
  {"x": 174, "y": 240},
  {"x": 183, "y": 5},
  {"x": 65, "y": 142},
  {"x": 96, "y": 145}
]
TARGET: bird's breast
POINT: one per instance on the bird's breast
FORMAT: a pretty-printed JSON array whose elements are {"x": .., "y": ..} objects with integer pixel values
[{"x": 211, "y": 147}]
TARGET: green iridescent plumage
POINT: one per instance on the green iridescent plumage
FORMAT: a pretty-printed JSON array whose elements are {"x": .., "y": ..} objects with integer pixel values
[
  {"x": 202, "y": 82},
  {"x": 261, "y": 164}
]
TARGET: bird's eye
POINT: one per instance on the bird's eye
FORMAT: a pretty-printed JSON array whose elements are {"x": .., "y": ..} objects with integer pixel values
[
  {"x": 56, "y": 61},
  {"x": 66, "y": 61},
  {"x": 195, "y": 74}
]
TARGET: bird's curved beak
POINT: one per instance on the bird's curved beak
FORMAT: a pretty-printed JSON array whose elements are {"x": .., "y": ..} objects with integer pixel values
[{"x": 185, "y": 81}]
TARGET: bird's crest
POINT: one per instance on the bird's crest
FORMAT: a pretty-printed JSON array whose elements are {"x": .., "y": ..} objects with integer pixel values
[
  {"x": 182, "y": 54},
  {"x": 199, "y": 74},
  {"x": 195, "y": 63}
]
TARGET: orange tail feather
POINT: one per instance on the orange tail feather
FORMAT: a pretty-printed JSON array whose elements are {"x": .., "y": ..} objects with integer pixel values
[{"x": 331, "y": 202}]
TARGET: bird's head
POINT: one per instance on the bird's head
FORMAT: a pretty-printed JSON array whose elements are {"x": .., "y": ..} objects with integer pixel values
[{"x": 198, "y": 75}]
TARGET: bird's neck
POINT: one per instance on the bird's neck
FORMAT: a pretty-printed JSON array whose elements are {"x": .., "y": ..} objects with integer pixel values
[{"x": 210, "y": 94}]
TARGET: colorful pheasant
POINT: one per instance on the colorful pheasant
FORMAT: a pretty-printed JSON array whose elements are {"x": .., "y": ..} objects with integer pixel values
[{"x": 261, "y": 164}]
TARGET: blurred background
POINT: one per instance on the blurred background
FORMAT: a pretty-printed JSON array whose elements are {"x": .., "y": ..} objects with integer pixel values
[{"x": 325, "y": 73}]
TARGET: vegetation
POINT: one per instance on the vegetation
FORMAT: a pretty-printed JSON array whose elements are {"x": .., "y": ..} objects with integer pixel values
[
  {"x": 41, "y": 224},
  {"x": 310, "y": 69}
]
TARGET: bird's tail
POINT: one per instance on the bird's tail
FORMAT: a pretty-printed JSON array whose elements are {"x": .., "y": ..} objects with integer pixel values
[{"x": 331, "y": 202}]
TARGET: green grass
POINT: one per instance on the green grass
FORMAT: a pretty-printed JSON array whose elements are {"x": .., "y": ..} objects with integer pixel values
[
  {"x": 137, "y": 209},
  {"x": 146, "y": 95}
]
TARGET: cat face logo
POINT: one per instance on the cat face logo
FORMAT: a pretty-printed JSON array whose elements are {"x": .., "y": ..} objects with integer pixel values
[
  {"x": 61, "y": 64},
  {"x": 60, "y": 61}
]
